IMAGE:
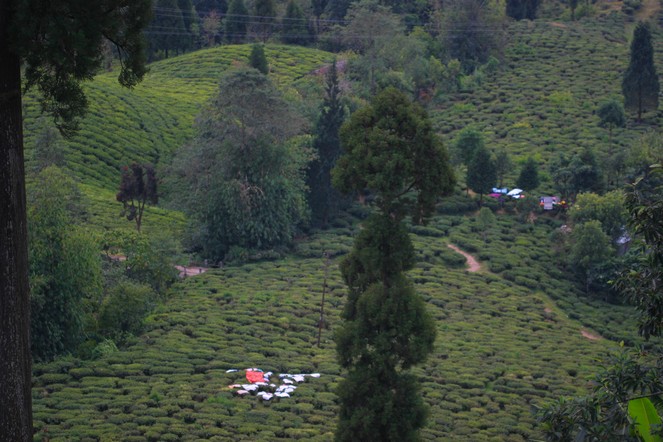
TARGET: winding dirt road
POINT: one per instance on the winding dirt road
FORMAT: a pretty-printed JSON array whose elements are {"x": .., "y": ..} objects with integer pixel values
[{"x": 473, "y": 264}]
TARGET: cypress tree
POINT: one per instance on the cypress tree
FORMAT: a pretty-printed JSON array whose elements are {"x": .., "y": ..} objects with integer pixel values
[
  {"x": 324, "y": 200},
  {"x": 257, "y": 59},
  {"x": 640, "y": 85}
]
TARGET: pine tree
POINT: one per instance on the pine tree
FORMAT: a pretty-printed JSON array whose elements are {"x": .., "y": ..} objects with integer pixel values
[
  {"x": 258, "y": 60},
  {"x": 236, "y": 22},
  {"x": 323, "y": 199},
  {"x": 293, "y": 25},
  {"x": 529, "y": 175},
  {"x": 386, "y": 329},
  {"x": 640, "y": 85}
]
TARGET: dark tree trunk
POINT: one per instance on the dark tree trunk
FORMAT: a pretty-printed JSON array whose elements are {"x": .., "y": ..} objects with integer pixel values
[{"x": 15, "y": 359}]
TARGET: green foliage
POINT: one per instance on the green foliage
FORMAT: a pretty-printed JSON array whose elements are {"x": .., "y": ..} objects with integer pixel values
[
  {"x": 257, "y": 59},
  {"x": 65, "y": 270},
  {"x": 236, "y": 22},
  {"x": 590, "y": 248},
  {"x": 640, "y": 85},
  {"x": 522, "y": 9},
  {"x": 242, "y": 176},
  {"x": 58, "y": 54},
  {"x": 124, "y": 307},
  {"x": 528, "y": 179},
  {"x": 167, "y": 31},
  {"x": 611, "y": 114},
  {"x": 391, "y": 149},
  {"x": 609, "y": 209},
  {"x": 641, "y": 283},
  {"x": 467, "y": 41},
  {"x": 262, "y": 23},
  {"x": 294, "y": 28},
  {"x": 608, "y": 413},
  {"x": 468, "y": 141},
  {"x": 646, "y": 419},
  {"x": 48, "y": 149},
  {"x": 323, "y": 199},
  {"x": 481, "y": 173},
  {"x": 486, "y": 220}
]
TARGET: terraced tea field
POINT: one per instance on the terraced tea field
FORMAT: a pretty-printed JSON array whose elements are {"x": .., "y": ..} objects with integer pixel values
[{"x": 505, "y": 344}]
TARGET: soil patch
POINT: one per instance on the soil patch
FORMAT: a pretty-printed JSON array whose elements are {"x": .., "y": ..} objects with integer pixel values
[
  {"x": 590, "y": 336},
  {"x": 190, "y": 271},
  {"x": 472, "y": 262}
]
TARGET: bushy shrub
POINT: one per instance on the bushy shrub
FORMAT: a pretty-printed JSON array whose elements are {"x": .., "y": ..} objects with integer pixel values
[{"x": 124, "y": 308}]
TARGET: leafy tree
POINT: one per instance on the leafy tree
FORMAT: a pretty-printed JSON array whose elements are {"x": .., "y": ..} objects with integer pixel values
[
  {"x": 609, "y": 209},
  {"x": 43, "y": 41},
  {"x": 522, "y": 9},
  {"x": 123, "y": 309},
  {"x": 258, "y": 60},
  {"x": 191, "y": 25},
  {"x": 167, "y": 28},
  {"x": 502, "y": 165},
  {"x": 294, "y": 29},
  {"x": 365, "y": 33},
  {"x": 590, "y": 248},
  {"x": 386, "y": 329},
  {"x": 205, "y": 7},
  {"x": 573, "y": 4},
  {"x": 466, "y": 22},
  {"x": 338, "y": 8},
  {"x": 587, "y": 174},
  {"x": 138, "y": 187},
  {"x": 211, "y": 28},
  {"x": 641, "y": 285},
  {"x": 65, "y": 269},
  {"x": 481, "y": 173},
  {"x": 632, "y": 379},
  {"x": 48, "y": 149},
  {"x": 242, "y": 176},
  {"x": 647, "y": 150},
  {"x": 529, "y": 175},
  {"x": 486, "y": 220},
  {"x": 323, "y": 199},
  {"x": 469, "y": 140},
  {"x": 612, "y": 115},
  {"x": 318, "y": 7},
  {"x": 236, "y": 22},
  {"x": 265, "y": 16},
  {"x": 640, "y": 84}
]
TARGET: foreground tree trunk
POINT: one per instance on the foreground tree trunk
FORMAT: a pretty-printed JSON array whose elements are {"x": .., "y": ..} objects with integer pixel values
[{"x": 15, "y": 359}]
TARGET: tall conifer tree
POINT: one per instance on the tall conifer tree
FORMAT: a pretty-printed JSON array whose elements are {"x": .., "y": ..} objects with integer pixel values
[
  {"x": 640, "y": 84},
  {"x": 236, "y": 22},
  {"x": 323, "y": 198},
  {"x": 386, "y": 329},
  {"x": 44, "y": 42}
]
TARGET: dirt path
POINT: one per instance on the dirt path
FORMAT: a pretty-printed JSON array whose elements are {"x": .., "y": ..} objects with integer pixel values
[
  {"x": 190, "y": 271},
  {"x": 590, "y": 336},
  {"x": 471, "y": 260}
]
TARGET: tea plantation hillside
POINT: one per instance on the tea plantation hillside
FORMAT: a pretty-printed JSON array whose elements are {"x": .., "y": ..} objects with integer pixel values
[
  {"x": 147, "y": 123},
  {"x": 503, "y": 347},
  {"x": 544, "y": 97}
]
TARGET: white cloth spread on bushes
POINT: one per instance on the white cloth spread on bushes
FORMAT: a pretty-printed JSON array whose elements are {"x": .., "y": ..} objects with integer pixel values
[{"x": 260, "y": 386}]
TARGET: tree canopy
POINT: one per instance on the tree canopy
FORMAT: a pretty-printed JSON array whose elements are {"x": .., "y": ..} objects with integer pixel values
[
  {"x": 242, "y": 176},
  {"x": 390, "y": 150}
]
